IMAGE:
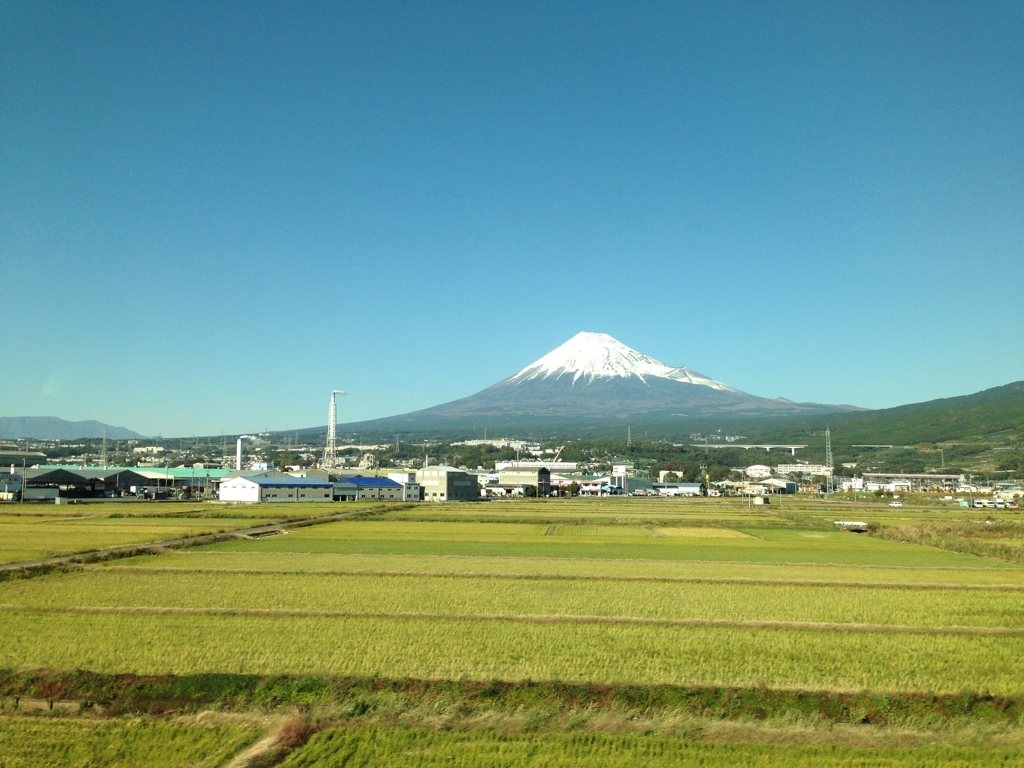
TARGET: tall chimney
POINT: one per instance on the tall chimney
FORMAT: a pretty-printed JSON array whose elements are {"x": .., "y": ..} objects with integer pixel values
[{"x": 238, "y": 454}]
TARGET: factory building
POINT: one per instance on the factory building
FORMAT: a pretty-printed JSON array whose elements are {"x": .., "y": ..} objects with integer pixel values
[
  {"x": 263, "y": 488},
  {"x": 680, "y": 489},
  {"x": 539, "y": 478},
  {"x": 368, "y": 489},
  {"x": 443, "y": 483}
]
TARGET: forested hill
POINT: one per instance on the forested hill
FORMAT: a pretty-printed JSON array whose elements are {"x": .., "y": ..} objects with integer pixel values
[{"x": 993, "y": 414}]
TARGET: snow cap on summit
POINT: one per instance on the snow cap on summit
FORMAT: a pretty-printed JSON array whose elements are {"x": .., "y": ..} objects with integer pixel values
[{"x": 595, "y": 355}]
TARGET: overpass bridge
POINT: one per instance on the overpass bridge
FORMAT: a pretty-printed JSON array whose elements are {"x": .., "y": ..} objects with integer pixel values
[{"x": 791, "y": 448}]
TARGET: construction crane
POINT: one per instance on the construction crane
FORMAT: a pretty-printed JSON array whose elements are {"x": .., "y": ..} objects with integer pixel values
[{"x": 331, "y": 451}]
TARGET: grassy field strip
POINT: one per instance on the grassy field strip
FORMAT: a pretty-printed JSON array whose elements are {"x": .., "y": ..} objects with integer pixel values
[
  {"x": 38, "y": 532},
  {"x": 136, "y": 511},
  {"x": 48, "y": 742},
  {"x": 874, "y": 552},
  {"x": 601, "y": 531},
  {"x": 701, "y": 533},
  {"x": 657, "y": 517},
  {"x": 411, "y": 595},
  {"x": 572, "y": 577},
  {"x": 400, "y": 747},
  {"x": 135, "y": 525},
  {"x": 201, "y": 558},
  {"x": 62, "y": 539},
  {"x": 285, "y": 613},
  {"x": 17, "y": 555},
  {"x": 439, "y": 649}
]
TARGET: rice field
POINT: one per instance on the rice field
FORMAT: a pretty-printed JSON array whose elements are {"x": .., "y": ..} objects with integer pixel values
[
  {"x": 50, "y": 742},
  {"x": 614, "y": 542},
  {"x": 666, "y": 594},
  {"x": 248, "y": 561},
  {"x": 609, "y": 510},
  {"x": 400, "y": 747},
  {"x": 469, "y": 648},
  {"x": 32, "y": 532},
  {"x": 48, "y": 538},
  {"x": 570, "y": 599}
]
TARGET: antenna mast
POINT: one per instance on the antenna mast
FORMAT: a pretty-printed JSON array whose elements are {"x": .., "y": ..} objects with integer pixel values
[
  {"x": 830, "y": 484},
  {"x": 331, "y": 451}
]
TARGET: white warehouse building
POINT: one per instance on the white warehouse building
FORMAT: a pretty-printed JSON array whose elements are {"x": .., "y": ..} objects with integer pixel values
[{"x": 262, "y": 488}]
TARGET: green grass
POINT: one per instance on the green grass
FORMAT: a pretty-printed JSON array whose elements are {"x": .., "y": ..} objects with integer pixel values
[
  {"x": 514, "y": 598},
  {"x": 32, "y": 532},
  {"x": 696, "y": 595},
  {"x": 457, "y": 649},
  {"x": 638, "y": 511},
  {"x": 50, "y": 742},
  {"x": 297, "y": 562},
  {"x": 635, "y": 543},
  {"x": 34, "y": 540},
  {"x": 397, "y": 747}
]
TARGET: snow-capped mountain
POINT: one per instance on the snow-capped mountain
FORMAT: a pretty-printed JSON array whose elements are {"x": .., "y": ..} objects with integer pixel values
[
  {"x": 589, "y": 356},
  {"x": 594, "y": 379}
]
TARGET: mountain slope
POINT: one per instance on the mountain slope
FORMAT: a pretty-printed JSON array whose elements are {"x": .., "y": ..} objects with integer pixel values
[
  {"x": 594, "y": 379},
  {"x": 995, "y": 411},
  {"x": 53, "y": 428}
]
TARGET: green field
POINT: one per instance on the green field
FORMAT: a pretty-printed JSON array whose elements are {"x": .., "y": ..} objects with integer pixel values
[
  {"x": 568, "y": 599},
  {"x": 32, "y": 532},
  {"x": 401, "y": 747},
  {"x": 50, "y": 742},
  {"x": 28, "y": 541},
  {"x": 611, "y": 542},
  {"x": 651, "y": 593},
  {"x": 988, "y": 573}
]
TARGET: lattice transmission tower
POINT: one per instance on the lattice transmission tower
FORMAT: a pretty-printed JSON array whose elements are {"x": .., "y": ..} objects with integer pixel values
[
  {"x": 331, "y": 450},
  {"x": 830, "y": 482}
]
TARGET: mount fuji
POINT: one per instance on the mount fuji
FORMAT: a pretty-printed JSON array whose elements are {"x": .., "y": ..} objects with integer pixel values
[{"x": 595, "y": 379}]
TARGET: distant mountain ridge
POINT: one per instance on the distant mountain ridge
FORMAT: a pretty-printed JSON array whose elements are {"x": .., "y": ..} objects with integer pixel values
[
  {"x": 53, "y": 428},
  {"x": 594, "y": 379},
  {"x": 994, "y": 411}
]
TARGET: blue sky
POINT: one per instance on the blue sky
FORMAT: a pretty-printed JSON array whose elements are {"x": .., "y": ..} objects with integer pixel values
[{"x": 213, "y": 214}]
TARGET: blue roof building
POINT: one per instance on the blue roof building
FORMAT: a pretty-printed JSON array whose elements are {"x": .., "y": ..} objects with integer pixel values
[{"x": 361, "y": 488}]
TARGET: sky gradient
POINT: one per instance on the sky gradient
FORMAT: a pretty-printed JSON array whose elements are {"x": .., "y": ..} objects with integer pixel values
[{"x": 213, "y": 214}]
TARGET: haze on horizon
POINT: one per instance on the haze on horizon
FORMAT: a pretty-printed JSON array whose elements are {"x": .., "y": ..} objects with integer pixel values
[{"x": 212, "y": 215}]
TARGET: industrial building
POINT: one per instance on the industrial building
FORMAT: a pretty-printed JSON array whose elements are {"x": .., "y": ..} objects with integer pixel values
[
  {"x": 49, "y": 482},
  {"x": 410, "y": 488},
  {"x": 812, "y": 470},
  {"x": 903, "y": 481},
  {"x": 777, "y": 485},
  {"x": 679, "y": 489},
  {"x": 264, "y": 488},
  {"x": 539, "y": 478},
  {"x": 368, "y": 489},
  {"x": 444, "y": 483}
]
